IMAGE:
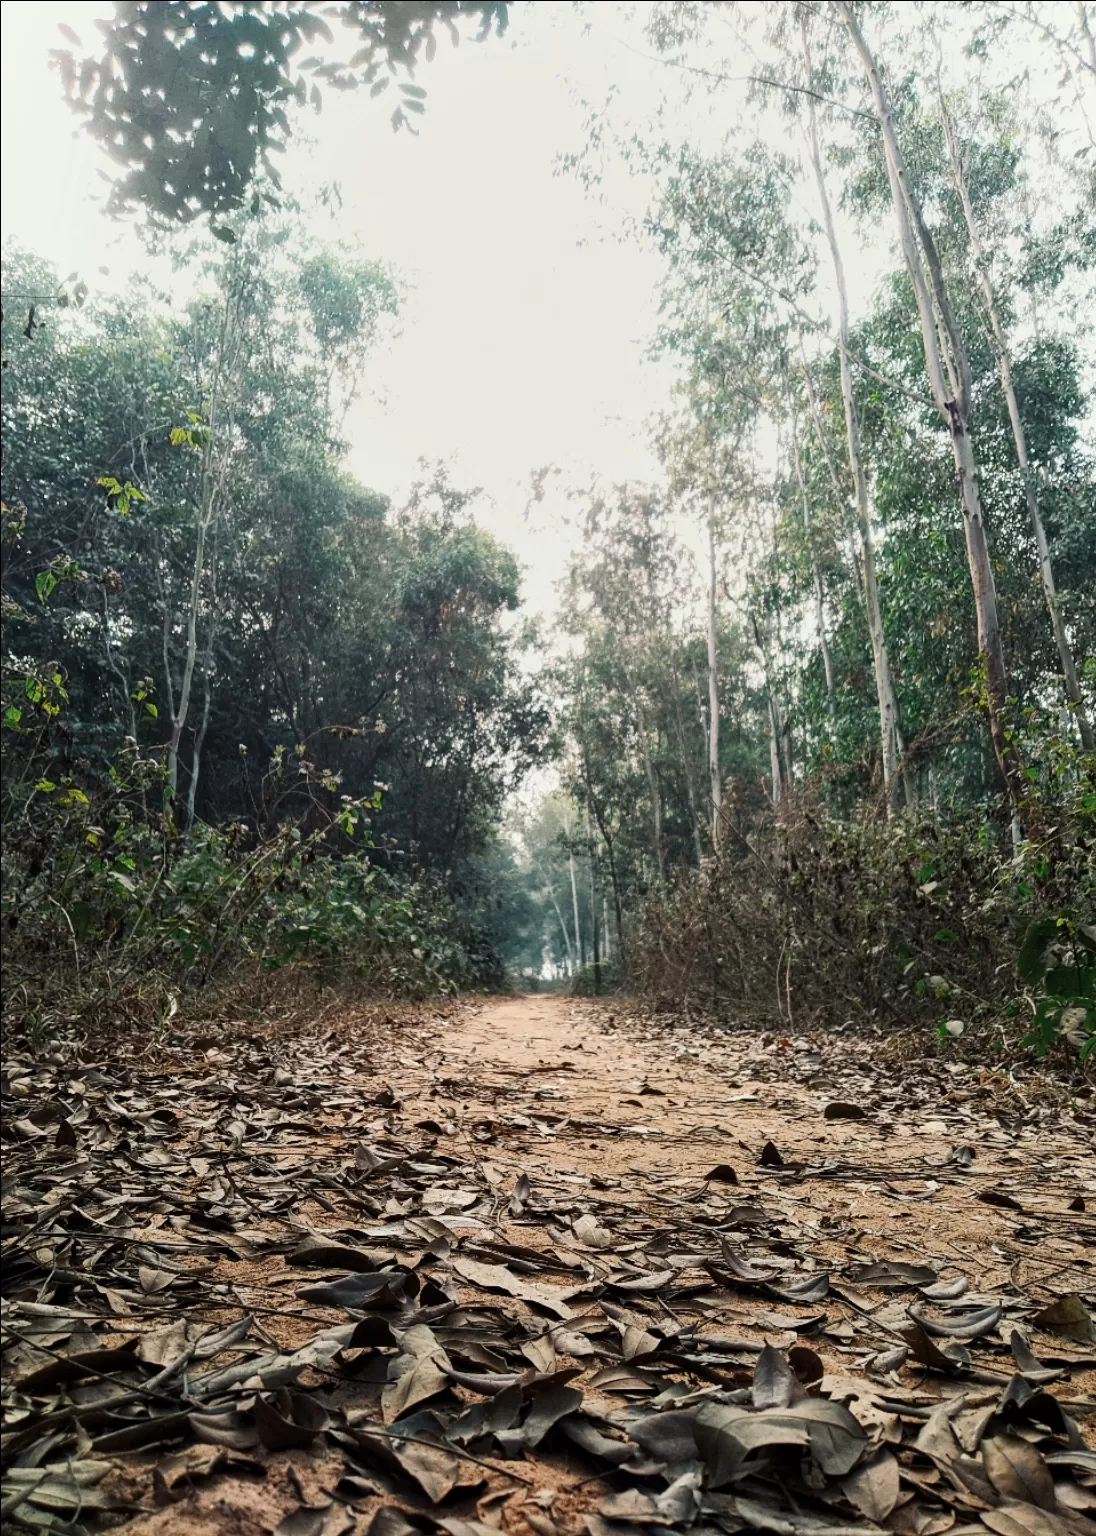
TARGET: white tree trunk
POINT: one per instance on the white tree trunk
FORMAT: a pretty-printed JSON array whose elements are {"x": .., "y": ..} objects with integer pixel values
[
  {"x": 999, "y": 341},
  {"x": 819, "y": 591},
  {"x": 215, "y": 464},
  {"x": 949, "y": 378},
  {"x": 652, "y": 781},
  {"x": 890, "y": 732},
  {"x": 574, "y": 907},
  {"x": 714, "y": 777}
]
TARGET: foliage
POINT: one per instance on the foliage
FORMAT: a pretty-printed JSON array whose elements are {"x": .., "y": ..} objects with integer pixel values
[
  {"x": 108, "y": 913},
  {"x": 177, "y": 515},
  {"x": 840, "y": 573},
  {"x": 192, "y": 100},
  {"x": 918, "y": 922}
]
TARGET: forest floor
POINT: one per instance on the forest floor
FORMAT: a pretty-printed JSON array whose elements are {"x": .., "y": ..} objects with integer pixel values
[{"x": 544, "y": 1265}]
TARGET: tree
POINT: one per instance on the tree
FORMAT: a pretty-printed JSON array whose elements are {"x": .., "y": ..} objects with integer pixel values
[
  {"x": 948, "y": 370},
  {"x": 242, "y": 595},
  {"x": 890, "y": 729},
  {"x": 1003, "y": 353}
]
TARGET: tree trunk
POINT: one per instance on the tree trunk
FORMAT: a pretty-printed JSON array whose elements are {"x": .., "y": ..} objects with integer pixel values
[
  {"x": 949, "y": 377},
  {"x": 203, "y": 725},
  {"x": 819, "y": 591},
  {"x": 686, "y": 765},
  {"x": 776, "y": 723},
  {"x": 890, "y": 733},
  {"x": 714, "y": 777},
  {"x": 574, "y": 907},
  {"x": 1000, "y": 346},
  {"x": 652, "y": 783},
  {"x": 838, "y": 493},
  {"x": 594, "y": 922},
  {"x": 213, "y": 476},
  {"x": 563, "y": 926}
]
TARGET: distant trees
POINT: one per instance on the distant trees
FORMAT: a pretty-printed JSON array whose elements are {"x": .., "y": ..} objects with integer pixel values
[
  {"x": 872, "y": 648},
  {"x": 231, "y": 592}
]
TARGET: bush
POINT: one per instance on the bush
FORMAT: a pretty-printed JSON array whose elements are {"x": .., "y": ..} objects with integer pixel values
[
  {"x": 585, "y": 982},
  {"x": 923, "y": 921},
  {"x": 110, "y": 914}
]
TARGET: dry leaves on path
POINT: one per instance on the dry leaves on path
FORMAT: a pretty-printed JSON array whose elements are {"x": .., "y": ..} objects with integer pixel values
[{"x": 391, "y": 1279}]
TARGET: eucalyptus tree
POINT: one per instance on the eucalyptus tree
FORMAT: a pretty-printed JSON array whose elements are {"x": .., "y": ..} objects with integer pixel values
[
  {"x": 948, "y": 369},
  {"x": 978, "y": 224},
  {"x": 890, "y": 727}
]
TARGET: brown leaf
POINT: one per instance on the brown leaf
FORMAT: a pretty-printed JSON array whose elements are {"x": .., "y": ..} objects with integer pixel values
[
  {"x": 520, "y": 1195},
  {"x": 892, "y": 1274},
  {"x": 722, "y": 1173},
  {"x": 1069, "y": 1317},
  {"x": 873, "y": 1487},
  {"x": 316, "y": 1254},
  {"x": 496, "y": 1277},
  {"x": 549, "y": 1407},
  {"x": 809, "y": 1367},
  {"x": 775, "y": 1384},
  {"x": 1030, "y": 1520},
  {"x": 1017, "y": 1471},
  {"x": 423, "y": 1369},
  {"x": 924, "y": 1350},
  {"x": 590, "y": 1234},
  {"x": 390, "y": 1521},
  {"x": 999, "y": 1198},
  {"x": 971, "y": 1325},
  {"x": 225, "y": 1427},
  {"x": 288, "y": 1420}
]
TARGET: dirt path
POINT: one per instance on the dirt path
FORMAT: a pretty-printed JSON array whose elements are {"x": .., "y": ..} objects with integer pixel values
[
  {"x": 610, "y": 1093},
  {"x": 543, "y": 1265}
]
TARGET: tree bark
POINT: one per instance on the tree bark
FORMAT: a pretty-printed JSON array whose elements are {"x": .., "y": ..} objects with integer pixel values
[
  {"x": 999, "y": 342},
  {"x": 838, "y": 493},
  {"x": 652, "y": 783},
  {"x": 890, "y": 732},
  {"x": 949, "y": 378},
  {"x": 574, "y": 907},
  {"x": 776, "y": 722},
  {"x": 816, "y": 575},
  {"x": 563, "y": 926},
  {"x": 714, "y": 777},
  {"x": 596, "y": 936},
  {"x": 213, "y": 475},
  {"x": 686, "y": 765}
]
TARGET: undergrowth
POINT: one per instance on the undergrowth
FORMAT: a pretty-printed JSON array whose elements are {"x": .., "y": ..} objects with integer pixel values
[
  {"x": 930, "y": 922},
  {"x": 112, "y": 918}
]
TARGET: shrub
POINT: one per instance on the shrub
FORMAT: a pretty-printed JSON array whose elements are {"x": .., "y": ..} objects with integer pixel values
[
  {"x": 109, "y": 914},
  {"x": 924, "y": 920}
]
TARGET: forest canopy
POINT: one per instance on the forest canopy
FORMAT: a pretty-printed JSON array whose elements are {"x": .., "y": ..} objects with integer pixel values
[{"x": 811, "y": 733}]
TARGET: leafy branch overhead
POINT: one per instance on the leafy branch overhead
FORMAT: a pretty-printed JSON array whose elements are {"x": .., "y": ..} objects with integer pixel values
[{"x": 192, "y": 101}]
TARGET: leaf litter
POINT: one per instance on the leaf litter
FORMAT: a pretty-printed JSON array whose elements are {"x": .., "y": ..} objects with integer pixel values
[{"x": 413, "y": 1276}]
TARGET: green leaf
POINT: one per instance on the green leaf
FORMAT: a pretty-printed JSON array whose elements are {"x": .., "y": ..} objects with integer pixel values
[{"x": 1031, "y": 961}]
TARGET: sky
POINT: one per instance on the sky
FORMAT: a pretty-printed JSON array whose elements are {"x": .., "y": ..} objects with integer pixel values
[{"x": 523, "y": 338}]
